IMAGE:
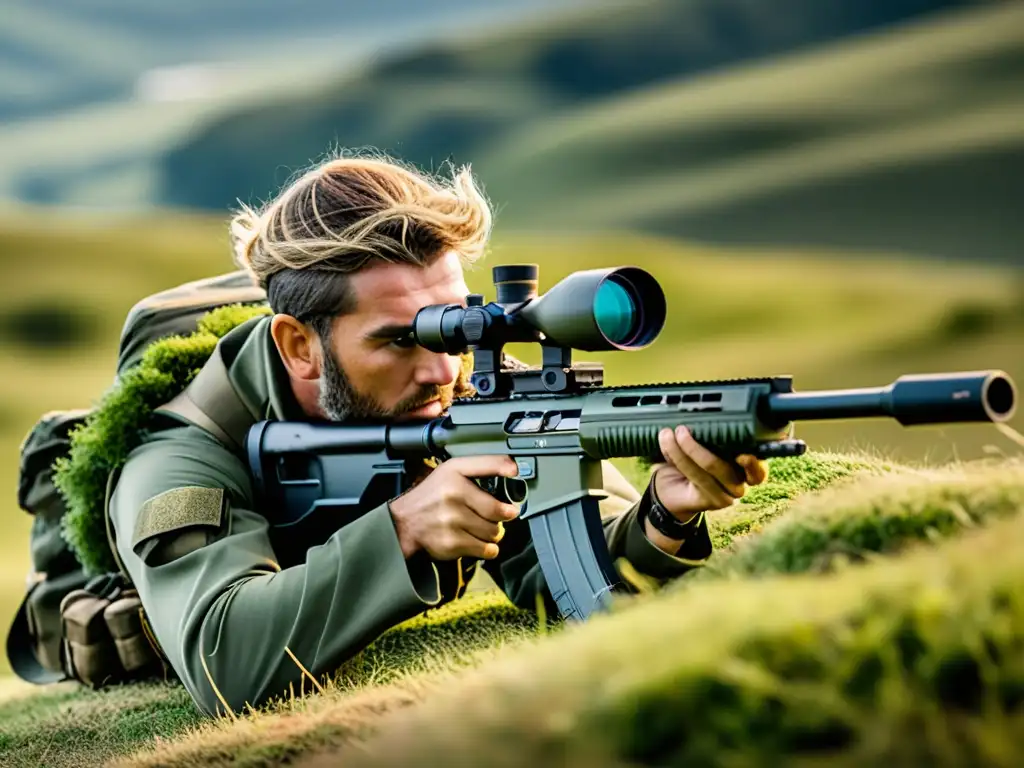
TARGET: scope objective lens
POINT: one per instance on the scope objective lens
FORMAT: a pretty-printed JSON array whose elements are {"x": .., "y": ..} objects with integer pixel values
[{"x": 616, "y": 311}]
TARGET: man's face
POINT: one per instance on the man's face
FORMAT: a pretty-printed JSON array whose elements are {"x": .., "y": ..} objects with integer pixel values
[{"x": 369, "y": 373}]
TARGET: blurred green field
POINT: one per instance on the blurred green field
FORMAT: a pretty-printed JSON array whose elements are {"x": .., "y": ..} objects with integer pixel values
[
  {"x": 869, "y": 142},
  {"x": 892, "y": 125},
  {"x": 692, "y": 120},
  {"x": 830, "y": 319}
]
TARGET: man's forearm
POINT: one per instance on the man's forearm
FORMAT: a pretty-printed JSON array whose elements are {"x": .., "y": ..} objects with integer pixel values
[{"x": 241, "y": 638}]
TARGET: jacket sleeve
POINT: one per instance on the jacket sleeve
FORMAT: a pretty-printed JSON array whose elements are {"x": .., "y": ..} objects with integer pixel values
[
  {"x": 518, "y": 573},
  {"x": 234, "y": 625}
]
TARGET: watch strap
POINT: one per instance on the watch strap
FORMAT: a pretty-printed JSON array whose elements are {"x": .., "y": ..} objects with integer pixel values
[{"x": 665, "y": 522}]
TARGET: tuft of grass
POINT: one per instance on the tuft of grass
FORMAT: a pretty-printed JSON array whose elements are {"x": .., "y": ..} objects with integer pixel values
[
  {"x": 403, "y": 667},
  {"x": 444, "y": 638},
  {"x": 282, "y": 737},
  {"x": 70, "y": 725},
  {"x": 878, "y": 516},
  {"x": 116, "y": 427},
  {"x": 787, "y": 480},
  {"x": 913, "y": 660}
]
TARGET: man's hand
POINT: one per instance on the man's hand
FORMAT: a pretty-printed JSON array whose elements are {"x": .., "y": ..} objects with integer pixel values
[
  {"x": 449, "y": 516},
  {"x": 695, "y": 480}
]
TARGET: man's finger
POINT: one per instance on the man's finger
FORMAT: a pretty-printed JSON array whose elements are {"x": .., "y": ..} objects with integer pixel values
[
  {"x": 482, "y": 504},
  {"x": 467, "y": 545},
  {"x": 481, "y": 529},
  {"x": 483, "y": 466},
  {"x": 703, "y": 481},
  {"x": 755, "y": 469},
  {"x": 728, "y": 475}
]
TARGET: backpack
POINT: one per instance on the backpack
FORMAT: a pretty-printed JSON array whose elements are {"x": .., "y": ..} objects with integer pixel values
[{"x": 71, "y": 624}]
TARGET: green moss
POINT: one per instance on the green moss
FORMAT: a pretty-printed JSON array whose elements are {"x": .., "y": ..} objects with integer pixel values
[
  {"x": 789, "y": 479},
  {"x": 876, "y": 517},
  {"x": 917, "y": 660},
  {"x": 71, "y": 726},
  {"x": 118, "y": 425},
  {"x": 445, "y": 638}
]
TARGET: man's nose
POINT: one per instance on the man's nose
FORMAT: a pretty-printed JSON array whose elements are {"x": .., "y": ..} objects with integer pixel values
[{"x": 439, "y": 369}]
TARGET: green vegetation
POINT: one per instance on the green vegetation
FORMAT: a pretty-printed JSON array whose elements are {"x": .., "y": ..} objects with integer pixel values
[
  {"x": 911, "y": 661},
  {"x": 788, "y": 479},
  {"x": 46, "y": 325},
  {"x": 911, "y": 655},
  {"x": 104, "y": 441},
  {"x": 67, "y": 725},
  {"x": 876, "y": 516},
  {"x": 70, "y": 726}
]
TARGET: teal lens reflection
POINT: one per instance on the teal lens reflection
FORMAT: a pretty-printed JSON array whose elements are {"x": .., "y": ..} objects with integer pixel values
[{"x": 615, "y": 312}]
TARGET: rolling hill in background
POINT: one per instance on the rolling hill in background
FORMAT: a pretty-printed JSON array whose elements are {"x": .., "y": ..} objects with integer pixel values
[
  {"x": 709, "y": 120},
  {"x": 92, "y": 92},
  {"x": 460, "y": 99},
  {"x": 56, "y": 54},
  {"x": 267, "y": 92}
]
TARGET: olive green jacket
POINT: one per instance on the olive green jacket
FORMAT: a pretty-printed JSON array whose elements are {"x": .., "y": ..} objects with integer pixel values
[{"x": 230, "y": 615}]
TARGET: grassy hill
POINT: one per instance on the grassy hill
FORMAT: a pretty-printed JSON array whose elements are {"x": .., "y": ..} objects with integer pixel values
[
  {"x": 909, "y": 139},
  {"x": 893, "y": 639},
  {"x": 59, "y": 55},
  {"x": 92, "y": 93}
]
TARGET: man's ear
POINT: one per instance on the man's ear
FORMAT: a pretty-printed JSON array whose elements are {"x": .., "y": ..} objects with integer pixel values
[{"x": 298, "y": 346}]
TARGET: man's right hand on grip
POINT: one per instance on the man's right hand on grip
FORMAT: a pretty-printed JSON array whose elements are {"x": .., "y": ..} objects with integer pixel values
[{"x": 449, "y": 516}]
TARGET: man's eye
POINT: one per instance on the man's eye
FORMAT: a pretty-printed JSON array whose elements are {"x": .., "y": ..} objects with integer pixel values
[{"x": 405, "y": 342}]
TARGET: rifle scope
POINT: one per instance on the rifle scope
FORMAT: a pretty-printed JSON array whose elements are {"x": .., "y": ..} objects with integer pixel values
[{"x": 593, "y": 310}]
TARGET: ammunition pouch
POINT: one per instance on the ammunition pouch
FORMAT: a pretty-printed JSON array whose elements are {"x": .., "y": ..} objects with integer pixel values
[{"x": 105, "y": 636}]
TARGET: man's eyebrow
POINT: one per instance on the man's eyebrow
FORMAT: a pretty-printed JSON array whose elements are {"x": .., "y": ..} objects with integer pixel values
[{"x": 390, "y": 331}]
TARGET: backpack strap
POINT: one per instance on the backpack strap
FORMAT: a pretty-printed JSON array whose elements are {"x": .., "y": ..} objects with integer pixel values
[{"x": 210, "y": 402}]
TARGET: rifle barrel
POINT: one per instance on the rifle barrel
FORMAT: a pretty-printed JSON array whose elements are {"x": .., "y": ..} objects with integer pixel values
[{"x": 917, "y": 399}]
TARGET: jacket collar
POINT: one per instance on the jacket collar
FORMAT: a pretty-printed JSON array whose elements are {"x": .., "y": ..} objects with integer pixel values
[{"x": 261, "y": 380}]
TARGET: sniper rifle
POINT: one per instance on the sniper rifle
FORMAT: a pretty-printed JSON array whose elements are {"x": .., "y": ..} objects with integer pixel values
[{"x": 558, "y": 421}]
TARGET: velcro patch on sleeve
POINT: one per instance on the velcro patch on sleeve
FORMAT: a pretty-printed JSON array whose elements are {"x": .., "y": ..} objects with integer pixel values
[{"x": 179, "y": 509}]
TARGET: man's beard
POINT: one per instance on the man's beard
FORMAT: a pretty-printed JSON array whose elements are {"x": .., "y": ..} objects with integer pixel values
[{"x": 339, "y": 400}]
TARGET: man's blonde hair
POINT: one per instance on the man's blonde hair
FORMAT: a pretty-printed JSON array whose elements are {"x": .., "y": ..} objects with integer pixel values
[{"x": 351, "y": 211}]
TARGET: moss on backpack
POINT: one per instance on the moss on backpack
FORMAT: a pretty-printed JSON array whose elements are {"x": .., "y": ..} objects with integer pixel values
[{"x": 119, "y": 422}]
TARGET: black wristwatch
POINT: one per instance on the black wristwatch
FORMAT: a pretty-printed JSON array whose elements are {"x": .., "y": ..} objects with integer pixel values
[{"x": 665, "y": 522}]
